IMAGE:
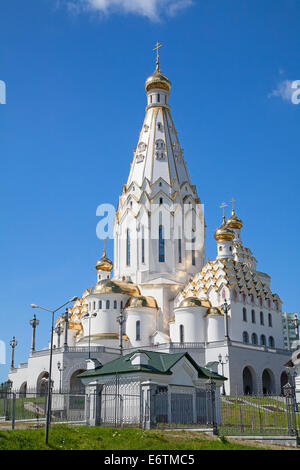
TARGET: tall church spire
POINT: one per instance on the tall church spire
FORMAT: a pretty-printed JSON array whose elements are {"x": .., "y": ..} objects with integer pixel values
[{"x": 158, "y": 183}]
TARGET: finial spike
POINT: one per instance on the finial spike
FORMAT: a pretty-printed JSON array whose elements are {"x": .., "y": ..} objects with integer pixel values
[{"x": 104, "y": 248}]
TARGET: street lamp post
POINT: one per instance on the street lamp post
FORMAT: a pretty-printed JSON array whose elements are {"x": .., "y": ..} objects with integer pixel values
[
  {"x": 226, "y": 307},
  {"x": 89, "y": 316},
  {"x": 60, "y": 369},
  {"x": 222, "y": 364},
  {"x": 48, "y": 417},
  {"x": 121, "y": 319},
  {"x": 34, "y": 323},
  {"x": 58, "y": 331},
  {"x": 13, "y": 343}
]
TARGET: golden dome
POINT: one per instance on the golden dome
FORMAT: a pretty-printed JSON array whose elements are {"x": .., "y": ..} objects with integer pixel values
[
  {"x": 107, "y": 286},
  {"x": 158, "y": 80},
  {"x": 104, "y": 264},
  {"x": 224, "y": 233},
  {"x": 234, "y": 221},
  {"x": 213, "y": 311},
  {"x": 194, "y": 302},
  {"x": 141, "y": 301}
]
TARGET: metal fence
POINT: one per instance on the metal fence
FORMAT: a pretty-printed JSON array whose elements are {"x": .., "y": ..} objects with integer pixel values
[
  {"x": 121, "y": 402},
  {"x": 31, "y": 408},
  {"x": 265, "y": 415}
]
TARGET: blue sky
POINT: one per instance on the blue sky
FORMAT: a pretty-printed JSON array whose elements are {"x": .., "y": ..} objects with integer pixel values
[{"x": 75, "y": 73}]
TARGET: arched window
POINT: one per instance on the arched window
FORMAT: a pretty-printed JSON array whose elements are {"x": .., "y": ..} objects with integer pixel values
[
  {"x": 245, "y": 337},
  {"x": 271, "y": 342},
  {"x": 138, "y": 330},
  {"x": 121, "y": 305},
  {"x": 263, "y": 340},
  {"x": 128, "y": 247},
  {"x": 261, "y": 316},
  {"x": 269, "y": 319},
  {"x": 158, "y": 98},
  {"x": 94, "y": 305},
  {"x": 254, "y": 338},
  {"x": 107, "y": 305},
  {"x": 220, "y": 248},
  {"x": 161, "y": 245},
  {"x": 160, "y": 201},
  {"x": 115, "y": 304},
  {"x": 143, "y": 244},
  {"x": 253, "y": 316},
  {"x": 260, "y": 301},
  {"x": 244, "y": 314},
  {"x": 100, "y": 304},
  {"x": 181, "y": 333}
]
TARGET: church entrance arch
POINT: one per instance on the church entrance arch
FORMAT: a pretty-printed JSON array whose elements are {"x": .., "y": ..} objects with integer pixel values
[
  {"x": 75, "y": 383},
  {"x": 249, "y": 381},
  {"x": 283, "y": 380},
  {"x": 268, "y": 382},
  {"x": 23, "y": 389},
  {"x": 42, "y": 383}
]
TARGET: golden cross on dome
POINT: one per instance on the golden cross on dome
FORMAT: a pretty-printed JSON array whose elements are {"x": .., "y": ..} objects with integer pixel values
[
  {"x": 157, "y": 47},
  {"x": 222, "y": 206},
  {"x": 232, "y": 202}
]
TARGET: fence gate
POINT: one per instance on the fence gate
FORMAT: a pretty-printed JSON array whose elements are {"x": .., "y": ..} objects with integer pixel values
[{"x": 121, "y": 403}]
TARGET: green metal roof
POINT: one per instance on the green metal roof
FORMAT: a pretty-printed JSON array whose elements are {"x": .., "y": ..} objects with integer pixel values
[{"x": 159, "y": 363}]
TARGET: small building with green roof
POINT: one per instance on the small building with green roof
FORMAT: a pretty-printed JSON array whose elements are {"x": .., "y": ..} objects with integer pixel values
[{"x": 150, "y": 386}]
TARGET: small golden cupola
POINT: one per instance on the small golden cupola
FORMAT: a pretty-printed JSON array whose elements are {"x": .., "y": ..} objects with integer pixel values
[
  {"x": 104, "y": 267},
  {"x": 224, "y": 237},
  {"x": 234, "y": 221},
  {"x": 224, "y": 233},
  {"x": 158, "y": 86}
]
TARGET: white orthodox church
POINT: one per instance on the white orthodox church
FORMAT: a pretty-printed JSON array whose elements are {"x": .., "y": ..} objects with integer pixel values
[{"x": 164, "y": 293}]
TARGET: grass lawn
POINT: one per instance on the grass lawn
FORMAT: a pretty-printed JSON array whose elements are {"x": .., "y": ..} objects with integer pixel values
[{"x": 64, "y": 437}]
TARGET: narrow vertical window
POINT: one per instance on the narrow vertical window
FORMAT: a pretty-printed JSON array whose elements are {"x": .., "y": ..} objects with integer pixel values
[
  {"x": 158, "y": 98},
  {"x": 193, "y": 251},
  {"x": 138, "y": 330},
  {"x": 179, "y": 251},
  {"x": 115, "y": 304},
  {"x": 181, "y": 334},
  {"x": 107, "y": 304},
  {"x": 100, "y": 304},
  {"x": 128, "y": 248},
  {"x": 161, "y": 245},
  {"x": 143, "y": 244}
]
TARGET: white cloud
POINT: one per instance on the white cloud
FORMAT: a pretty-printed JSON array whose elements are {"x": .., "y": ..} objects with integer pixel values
[
  {"x": 151, "y": 9},
  {"x": 284, "y": 90}
]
